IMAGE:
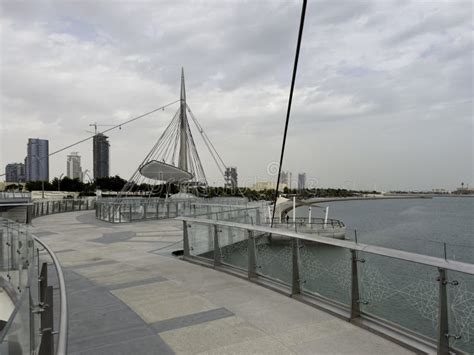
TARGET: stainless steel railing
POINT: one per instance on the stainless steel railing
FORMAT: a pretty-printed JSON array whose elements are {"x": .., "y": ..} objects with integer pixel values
[
  {"x": 131, "y": 210},
  {"x": 31, "y": 327},
  {"x": 47, "y": 207},
  {"x": 15, "y": 195},
  {"x": 63, "y": 315},
  {"x": 373, "y": 286}
]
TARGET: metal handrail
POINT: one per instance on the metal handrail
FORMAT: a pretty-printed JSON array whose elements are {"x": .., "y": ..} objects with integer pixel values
[
  {"x": 226, "y": 211},
  {"x": 351, "y": 245},
  {"x": 304, "y": 220},
  {"x": 63, "y": 317}
]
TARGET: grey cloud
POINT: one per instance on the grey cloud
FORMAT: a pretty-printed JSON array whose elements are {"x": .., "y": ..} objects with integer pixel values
[
  {"x": 437, "y": 22},
  {"x": 67, "y": 64}
]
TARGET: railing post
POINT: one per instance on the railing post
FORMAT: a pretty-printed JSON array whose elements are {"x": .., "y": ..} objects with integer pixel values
[
  {"x": 167, "y": 209},
  {"x": 2, "y": 258},
  {"x": 46, "y": 304},
  {"x": 295, "y": 284},
  {"x": 47, "y": 343},
  {"x": 443, "y": 329},
  {"x": 185, "y": 240},
  {"x": 355, "y": 297},
  {"x": 252, "y": 265},
  {"x": 144, "y": 210},
  {"x": 130, "y": 213},
  {"x": 217, "y": 249}
]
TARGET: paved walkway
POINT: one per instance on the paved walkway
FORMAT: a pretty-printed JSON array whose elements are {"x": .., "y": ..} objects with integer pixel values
[{"x": 128, "y": 295}]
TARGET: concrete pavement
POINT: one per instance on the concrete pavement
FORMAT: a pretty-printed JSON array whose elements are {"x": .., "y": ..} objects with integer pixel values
[{"x": 128, "y": 294}]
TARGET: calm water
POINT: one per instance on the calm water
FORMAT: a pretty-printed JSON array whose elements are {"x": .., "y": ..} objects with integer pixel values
[{"x": 419, "y": 225}]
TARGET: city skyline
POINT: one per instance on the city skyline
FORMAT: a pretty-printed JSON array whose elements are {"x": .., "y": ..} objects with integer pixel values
[{"x": 383, "y": 96}]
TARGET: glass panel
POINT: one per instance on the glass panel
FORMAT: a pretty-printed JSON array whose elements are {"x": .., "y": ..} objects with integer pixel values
[
  {"x": 400, "y": 292},
  {"x": 274, "y": 257},
  {"x": 325, "y": 270},
  {"x": 461, "y": 311},
  {"x": 17, "y": 330},
  {"x": 233, "y": 243},
  {"x": 201, "y": 240},
  {"x": 34, "y": 297}
]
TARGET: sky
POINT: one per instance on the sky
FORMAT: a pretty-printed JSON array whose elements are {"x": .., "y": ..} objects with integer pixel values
[{"x": 383, "y": 95}]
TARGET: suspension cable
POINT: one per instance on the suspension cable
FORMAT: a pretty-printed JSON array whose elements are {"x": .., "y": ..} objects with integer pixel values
[{"x": 290, "y": 99}]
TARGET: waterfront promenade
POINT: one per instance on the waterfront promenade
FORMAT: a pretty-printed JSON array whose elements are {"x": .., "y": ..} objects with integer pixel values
[{"x": 128, "y": 294}]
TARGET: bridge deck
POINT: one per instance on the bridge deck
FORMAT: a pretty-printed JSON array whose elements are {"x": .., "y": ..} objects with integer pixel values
[{"x": 128, "y": 295}]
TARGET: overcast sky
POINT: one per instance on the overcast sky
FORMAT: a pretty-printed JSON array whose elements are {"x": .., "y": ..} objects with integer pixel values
[{"x": 383, "y": 94}]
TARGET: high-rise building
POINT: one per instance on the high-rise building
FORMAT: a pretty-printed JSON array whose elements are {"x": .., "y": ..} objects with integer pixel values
[
  {"x": 301, "y": 181},
  {"x": 101, "y": 156},
  {"x": 37, "y": 160},
  {"x": 284, "y": 178},
  {"x": 230, "y": 176},
  {"x": 15, "y": 172},
  {"x": 74, "y": 170}
]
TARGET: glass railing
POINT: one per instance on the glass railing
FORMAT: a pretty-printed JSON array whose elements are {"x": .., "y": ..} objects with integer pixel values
[
  {"x": 30, "y": 325},
  {"x": 134, "y": 210},
  {"x": 15, "y": 195},
  {"x": 47, "y": 207},
  {"x": 412, "y": 298}
]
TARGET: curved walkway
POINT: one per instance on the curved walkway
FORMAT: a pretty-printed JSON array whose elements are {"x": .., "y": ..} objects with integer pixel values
[{"x": 127, "y": 294}]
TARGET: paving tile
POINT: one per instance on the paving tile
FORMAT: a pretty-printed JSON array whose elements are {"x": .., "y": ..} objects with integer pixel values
[
  {"x": 353, "y": 341},
  {"x": 150, "y": 345},
  {"x": 89, "y": 265},
  {"x": 136, "y": 283},
  {"x": 318, "y": 330},
  {"x": 265, "y": 345},
  {"x": 155, "y": 310},
  {"x": 44, "y": 233},
  {"x": 211, "y": 335},
  {"x": 115, "y": 237},
  {"x": 160, "y": 290},
  {"x": 191, "y": 319}
]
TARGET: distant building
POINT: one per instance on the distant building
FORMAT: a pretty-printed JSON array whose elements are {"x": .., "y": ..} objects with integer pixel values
[
  {"x": 74, "y": 170},
  {"x": 301, "y": 181},
  {"x": 230, "y": 176},
  {"x": 37, "y": 160},
  {"x": 101, "y": 156},
  {"x": 284, "y": 178},
  {"x": 15, "y": 172}
]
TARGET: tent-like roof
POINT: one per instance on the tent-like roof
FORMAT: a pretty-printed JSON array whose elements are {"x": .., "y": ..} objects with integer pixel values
[{"x": 157, "y": 170}]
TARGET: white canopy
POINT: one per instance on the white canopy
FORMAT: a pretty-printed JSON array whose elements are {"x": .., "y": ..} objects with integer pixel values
[{"x": 158, "y": 170}]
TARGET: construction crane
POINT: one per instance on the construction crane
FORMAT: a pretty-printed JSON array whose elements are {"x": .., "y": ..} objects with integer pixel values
[{"x": 95, "y": 125}]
